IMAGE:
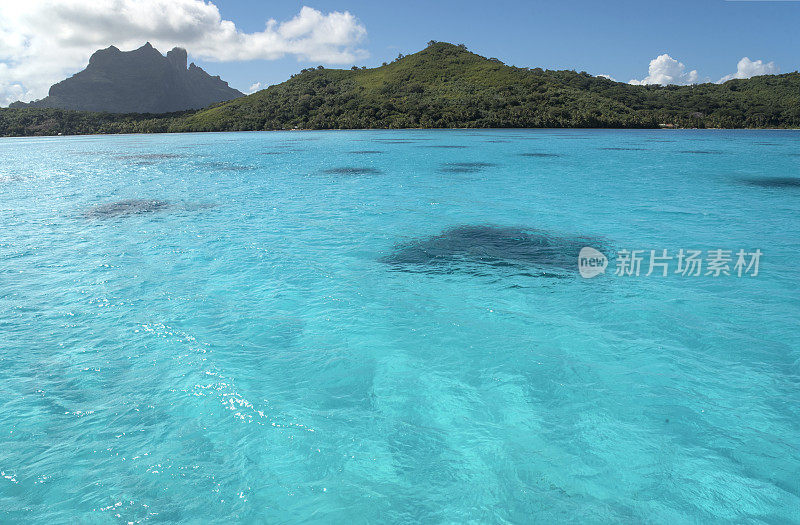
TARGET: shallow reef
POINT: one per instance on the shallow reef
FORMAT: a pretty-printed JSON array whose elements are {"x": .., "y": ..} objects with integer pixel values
[
  {"x": 126, "y": 208},
  {"x": 352, "y": 170},
  {"x": 482, "y": 249},
  {"x": 773, "y": 182},
  {"x": 465, "y": 167},
  {"x": 540, "y": 155}
]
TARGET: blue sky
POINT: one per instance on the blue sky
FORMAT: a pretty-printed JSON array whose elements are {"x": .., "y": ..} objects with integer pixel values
[
  {"x": 677, "y": 41},
  {"x": 618, "y": 38}
]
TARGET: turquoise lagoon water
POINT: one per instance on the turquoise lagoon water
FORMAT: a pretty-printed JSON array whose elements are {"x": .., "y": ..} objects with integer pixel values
[{"x": 380, "y": 326}]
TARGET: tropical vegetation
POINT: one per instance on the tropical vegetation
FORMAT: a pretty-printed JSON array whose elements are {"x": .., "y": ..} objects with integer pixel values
[{"x": 446, "y": 86}]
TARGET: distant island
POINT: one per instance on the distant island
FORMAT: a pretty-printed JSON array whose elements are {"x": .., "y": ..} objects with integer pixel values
[
  {"x": 138, "y": 81},
  {"x": 446, "y": 86}
]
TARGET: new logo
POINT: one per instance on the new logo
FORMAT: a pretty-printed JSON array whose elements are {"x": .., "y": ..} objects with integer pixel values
[{"x": 591, "y": 262}]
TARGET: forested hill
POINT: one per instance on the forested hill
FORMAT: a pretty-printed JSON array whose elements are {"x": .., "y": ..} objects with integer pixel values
[{"x": 446, "y": 86}]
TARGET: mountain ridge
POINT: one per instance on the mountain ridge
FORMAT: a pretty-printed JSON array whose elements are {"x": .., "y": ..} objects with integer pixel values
[{"x": 138, "y": 81}]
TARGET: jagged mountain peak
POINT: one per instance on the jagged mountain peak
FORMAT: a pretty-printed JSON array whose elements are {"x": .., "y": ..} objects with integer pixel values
[
  {"x": 178, "y": 57},
  {"x": 138, "y": 81}
]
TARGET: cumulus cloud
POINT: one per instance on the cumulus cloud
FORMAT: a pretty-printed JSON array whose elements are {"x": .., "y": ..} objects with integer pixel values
[
  {"x": 43, "y": 41},
  {"x": 11, "y": 90},
  {"x": 665, "y": 70},
  {"x": 748, "y": 68},
  {"x": 254, "y": 87},
  {"x": 608, "y": 77}
]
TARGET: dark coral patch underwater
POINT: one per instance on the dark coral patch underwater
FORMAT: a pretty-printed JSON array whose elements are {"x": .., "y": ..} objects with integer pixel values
[
  {"x": 131, "y": 207},
  {"x": 352, "y": 170},
  {"x": 465, "y": 167},
  {"x": 773, "y": 182},
  {"x": 483, "y": 249},
  {"x": 541, "y": 155},
  {"x": 125, "y": 208}
]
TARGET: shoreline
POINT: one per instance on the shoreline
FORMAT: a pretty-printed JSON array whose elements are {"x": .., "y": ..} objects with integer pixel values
[{"x": 664, "y": 129}]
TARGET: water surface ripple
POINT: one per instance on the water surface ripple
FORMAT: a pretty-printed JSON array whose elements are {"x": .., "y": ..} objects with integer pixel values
[{"x": 364, "y": 327}]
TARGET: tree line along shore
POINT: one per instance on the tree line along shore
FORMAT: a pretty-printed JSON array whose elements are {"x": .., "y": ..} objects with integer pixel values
[{"x": 446, "y": 86}]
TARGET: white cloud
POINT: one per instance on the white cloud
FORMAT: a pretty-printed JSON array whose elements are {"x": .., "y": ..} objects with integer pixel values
[
  {"x": 608, "y": 77},
  {"x": 665, "y": 70},
  {"x": 43, "y": 41},
  {"x": 748, "y": 68},
  {"x": 10, "y": 90},
  {"x": 254, "y": 87}
]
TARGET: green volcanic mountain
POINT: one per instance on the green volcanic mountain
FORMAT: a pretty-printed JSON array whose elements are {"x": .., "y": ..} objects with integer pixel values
[
  {"x": 139, "y": 81},
  {"x": 447, "y": 86}
]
